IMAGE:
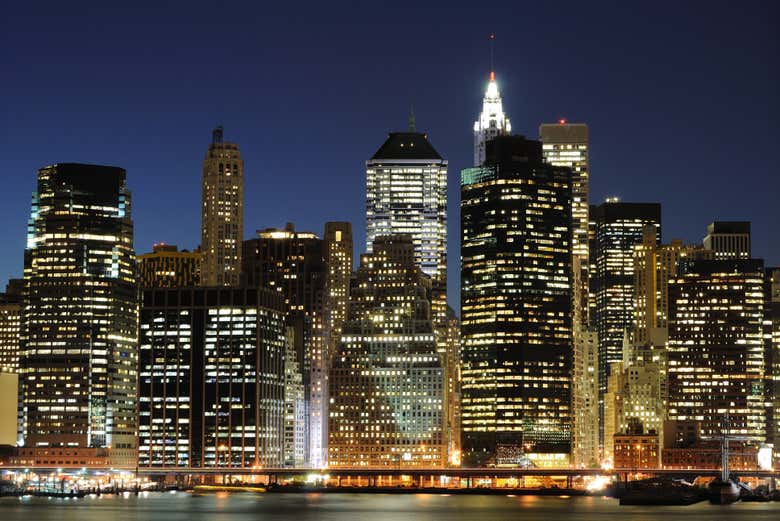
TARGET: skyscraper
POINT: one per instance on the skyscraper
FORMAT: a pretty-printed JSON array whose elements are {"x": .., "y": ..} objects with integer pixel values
[
  {"x": 167, "y": 267},
  {"x": 10, "y": 325},
  {"x": 516, "y": 301},
  {"x": 566, "y": 144},
  {"x": 387, "y": 380},
  {"x": 212, "y": 378},
  {"x": 618, "y": 228},
  {"x": 716, "y": 347},
  {"x": 585, "y": 400},
  {"x": 492, "y": 121},
  {"x": 292, "y": 263},
  {"x": 728, "y": 239},
  {"x": 406, "y": 193},
  {"x": 80, "y": 320},
  {"x": 772, "y": 355},
  {"x": 338, "y": 258},
  {"x": 222, "y": 220}
]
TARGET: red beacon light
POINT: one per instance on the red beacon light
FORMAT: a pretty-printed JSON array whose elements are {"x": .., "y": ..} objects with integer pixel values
[{"x": 562, "y": 121}]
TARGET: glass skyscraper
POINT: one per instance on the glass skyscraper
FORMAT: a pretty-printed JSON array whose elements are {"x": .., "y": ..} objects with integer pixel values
[
  {"x": 79, "y": 325},
  {"x": 516, "y": 305}
]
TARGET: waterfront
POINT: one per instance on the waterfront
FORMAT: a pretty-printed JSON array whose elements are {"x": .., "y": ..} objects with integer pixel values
[{"x": 352, "y": 507}]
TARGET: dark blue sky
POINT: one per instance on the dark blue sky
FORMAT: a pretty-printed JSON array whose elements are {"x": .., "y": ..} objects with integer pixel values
[{"x": 681, "y": 99}]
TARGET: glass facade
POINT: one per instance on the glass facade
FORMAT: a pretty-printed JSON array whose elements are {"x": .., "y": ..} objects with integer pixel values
[
  {"x": 516, "y": 305},
  {"x": 80, "y": 321},
  {"x": 212, "y": 378}
]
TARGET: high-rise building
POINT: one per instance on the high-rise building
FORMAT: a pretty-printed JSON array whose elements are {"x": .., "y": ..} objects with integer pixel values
[
  {"x": 10, "y": 325},
  {"x": 585, "y": 401},
  {"x": 451, "y": 358},
  {"x": 294, "y": 407},
  {"x": 406, "y": 193},
  {"x": 167, "y": 267},
  {"x": 80, "y": 318},
  {"x": 338, "y": 258},
  {"x": 388, "y": 382},
  {"x": 618, "y": 227},
  {"x": 212, "y": 378},
  {"x": 492, "y": 121},
  {"x": 772, "y": 354},
  {"x": 293, "y": 264},
  {"x": 716, "y": 350},
  {"x": 516, "y": 305},
  {"x": 728, "y": 239},
  {"x": 222, "y": 220}
]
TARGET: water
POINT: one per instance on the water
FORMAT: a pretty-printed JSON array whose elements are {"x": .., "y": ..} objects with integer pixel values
[{"x": 363, "y": 507}]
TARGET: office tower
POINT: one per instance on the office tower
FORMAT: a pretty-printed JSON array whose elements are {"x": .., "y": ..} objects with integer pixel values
[
  {"x": 618, "y": 227},
  {"x": 451, "y": 359},
  {"x": 211, "y": 386},
  {"x": 10, "y": 325},
  {"x": 492, "y": 121},
  {"x": 516, "y": 300},
  {"x": 585, "y": 401},
  {"x": 222, "y": 220},
  {"x": 167, "y": 267},
  {"x": 406, "y": 193},
  {"x": 566, "y": 144},
  {"x": 294, "y": 406},
  {"x": 772, "y": 353},
  {"x": 387, "y": 381},
  {"x": 654, "y": 265},
  {"x": 728, "y": 239},
  {"x": 338, "y": 258},
  {"x": 80, "y": 317},
  {"x": 293, "y": 264},
  {"x": 715, "y": 351}
]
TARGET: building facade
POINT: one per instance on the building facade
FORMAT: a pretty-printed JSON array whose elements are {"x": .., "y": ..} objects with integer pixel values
[
  {"x": 406, "y": 193},
  {"x": 772, "y": 355},
  {"x": 212, "y": 378},
  {"x": 78, "y": 355},
  {"x": 338, "y": 253},
  {"x": 728, "y": 239},
  {"x": 222, "y": 218},
  {"x": 388, "y": 382},
  {"x": 516, "y": 305},
  {"x": 716, "y": 350},
  {"x": 10, "y": 325},
  {"x": 585, "y": 401},
  {"x": 167, "y": 267},
  {"x": 617, "y": 228},
  {"x": 292, "y": 263}
]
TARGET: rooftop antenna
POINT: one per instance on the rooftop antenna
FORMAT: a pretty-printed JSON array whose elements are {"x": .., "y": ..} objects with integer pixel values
[
  {"x": 412, "y": 125},
  {"x": 492, "y": 44}
]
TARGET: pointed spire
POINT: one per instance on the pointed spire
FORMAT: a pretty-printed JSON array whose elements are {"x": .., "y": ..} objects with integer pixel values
[
  {"x": 492, "y": 68},
  {"x": 412, "y": 125}
]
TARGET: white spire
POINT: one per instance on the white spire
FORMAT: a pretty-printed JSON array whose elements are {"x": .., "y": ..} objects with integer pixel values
[{"x": 492, "y": 121}]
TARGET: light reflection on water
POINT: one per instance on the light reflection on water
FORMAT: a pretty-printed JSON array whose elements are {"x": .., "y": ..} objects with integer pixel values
[{"x": 371, "y": 507}]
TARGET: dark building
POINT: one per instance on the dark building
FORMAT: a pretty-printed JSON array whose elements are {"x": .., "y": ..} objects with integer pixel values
[
  {"x": 292, "y": 263},
  {"x": 10, "y": 324},
  {"x": 716, "y": 347},
  {"x": 618, "y": 227},
  {"x": 80, "y": 319},
  {"x": 516, "y": 305},
  {"x": 728, "y": 239},
  {"x": 211, "y": 378}
]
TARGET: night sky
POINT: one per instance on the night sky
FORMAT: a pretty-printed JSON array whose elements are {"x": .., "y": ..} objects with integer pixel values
[{"x": 681, "y": 99}]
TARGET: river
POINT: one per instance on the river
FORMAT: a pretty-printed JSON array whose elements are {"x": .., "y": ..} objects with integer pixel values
[{"x": 182, "y": 506}]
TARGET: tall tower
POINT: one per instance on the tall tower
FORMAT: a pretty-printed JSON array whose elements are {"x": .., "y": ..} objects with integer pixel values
[
  {"x": 406, "y": 193},
  {"x": 492, "y": 121},
  {"x": 222, "y": 220},
  {"x": 338, "y": 258},
  {"x": 516, "y": 299},
  {"x": 79, "y": 339}
]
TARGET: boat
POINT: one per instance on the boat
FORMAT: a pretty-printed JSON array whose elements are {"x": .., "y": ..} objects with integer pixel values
[
  {"x": 201, "y": 489},
  {"x": 725, "y": 490},
  {"x": 660, "y": 492}
]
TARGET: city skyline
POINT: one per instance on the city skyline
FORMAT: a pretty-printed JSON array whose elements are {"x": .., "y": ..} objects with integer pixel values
[{"x": 161, "y": 144}]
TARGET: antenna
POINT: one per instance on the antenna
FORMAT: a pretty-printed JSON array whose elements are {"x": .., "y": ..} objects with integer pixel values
[
  {"x": 412, "y": 125},
  {"x": 492, "y": 41}
]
